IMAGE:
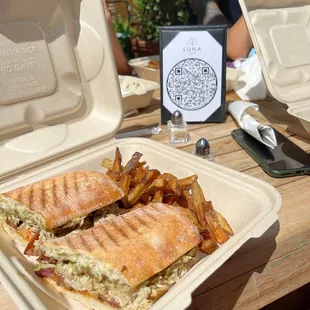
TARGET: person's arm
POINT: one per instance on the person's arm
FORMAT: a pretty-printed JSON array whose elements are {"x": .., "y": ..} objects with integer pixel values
[
  {"x": 239, "y": 42},
  {"x": 122, "y": 65}
]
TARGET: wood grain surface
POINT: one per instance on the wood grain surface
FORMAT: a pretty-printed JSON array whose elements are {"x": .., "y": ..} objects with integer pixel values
[{"x": 264, "y": 269}]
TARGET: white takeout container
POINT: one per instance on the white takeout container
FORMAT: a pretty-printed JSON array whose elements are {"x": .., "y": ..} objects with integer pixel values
[
  {"x": 232, "y": 76},
  {"x": 63, "y": 120},
  {"x": 281, "y": 36},
  {"x": 131, "y": 100},
  {"x": 140, "y": 67}
]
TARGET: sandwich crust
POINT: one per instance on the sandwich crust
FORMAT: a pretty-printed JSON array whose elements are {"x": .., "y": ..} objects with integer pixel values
[
  {"x": 86, "y": 299},
  {"x": 12, "y": 233},
  {"x": 137, "y": 245},
  {"x": 63, "y": 198}
]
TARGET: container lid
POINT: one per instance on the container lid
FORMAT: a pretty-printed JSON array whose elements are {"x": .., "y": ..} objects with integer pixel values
[
  {"x": 59, "y": 90},
  {"x": 280, "y": 31}
]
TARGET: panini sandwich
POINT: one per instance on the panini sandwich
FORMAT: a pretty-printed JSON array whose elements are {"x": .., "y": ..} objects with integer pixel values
[
  {"x": 127, "y": 262},
  {"x": 55, "y": 206}
]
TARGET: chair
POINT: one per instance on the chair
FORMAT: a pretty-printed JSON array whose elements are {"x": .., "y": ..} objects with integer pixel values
[{"x": 118, "y": 9}]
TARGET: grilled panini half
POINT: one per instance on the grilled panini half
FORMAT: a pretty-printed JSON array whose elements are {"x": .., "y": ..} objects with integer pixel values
[
  {"x": 55, "y": 205},
  {"x": 126, "y": 262}
]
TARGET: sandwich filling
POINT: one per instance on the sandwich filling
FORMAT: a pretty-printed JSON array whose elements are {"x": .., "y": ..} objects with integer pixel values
[
  {"x": 30, "y": 226},
  {"x": 86, "y": 275},
  {"x": 57, "y": 205}
]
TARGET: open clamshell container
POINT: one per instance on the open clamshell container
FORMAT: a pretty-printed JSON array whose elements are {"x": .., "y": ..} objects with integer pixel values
[
  {"x": 139, "y": 95},
  {"x": 280, "y": 32},
  {"x": 60, "y": 103},
  {"x": 144, "y": 72}
]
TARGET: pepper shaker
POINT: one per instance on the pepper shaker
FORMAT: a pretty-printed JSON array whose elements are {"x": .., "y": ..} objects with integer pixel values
[
  {"x": 203, "y": 149},
  {"x": 177, "y": 128}
]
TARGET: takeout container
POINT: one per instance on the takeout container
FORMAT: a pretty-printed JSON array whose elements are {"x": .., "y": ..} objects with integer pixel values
[
  {"x": 63, "y": 122},
  {"x": 232, "y": 76},
  {"x": 132, "y": 100},
  {"x": 140, "y": 67},
  {"x": 280, "y": 33}
]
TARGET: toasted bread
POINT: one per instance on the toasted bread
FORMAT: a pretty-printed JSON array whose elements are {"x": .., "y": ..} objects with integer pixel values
[
  {"x": 87, "y": 300},
  {"x": 136, "y": 245},
  {"x": 127, "y": 262},
  {"x": 54, "y": 202}
]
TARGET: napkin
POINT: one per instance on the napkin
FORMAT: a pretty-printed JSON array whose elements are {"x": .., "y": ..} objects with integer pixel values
[
  {"x": 132, "y": 85},
  {"x": 251, "y": 84},
  {"x": 262, "y": 133}
]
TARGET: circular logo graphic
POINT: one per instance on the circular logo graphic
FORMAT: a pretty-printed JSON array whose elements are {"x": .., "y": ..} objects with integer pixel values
[{"x": 191, "y": 84}]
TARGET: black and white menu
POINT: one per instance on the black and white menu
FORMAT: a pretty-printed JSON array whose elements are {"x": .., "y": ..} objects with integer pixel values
[{"x": 193, "y": 73}]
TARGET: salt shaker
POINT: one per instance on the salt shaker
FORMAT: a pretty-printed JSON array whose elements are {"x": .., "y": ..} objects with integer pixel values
[
  {"x": 203, "y": 149},
  {"x": 177, "y": 129}
]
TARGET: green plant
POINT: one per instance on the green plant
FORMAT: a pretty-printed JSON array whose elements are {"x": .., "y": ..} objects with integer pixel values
[
  {"x": 150, "y": 15},
  {"x": 123, "y": 32},
  {"x": 122, "y": 29}
]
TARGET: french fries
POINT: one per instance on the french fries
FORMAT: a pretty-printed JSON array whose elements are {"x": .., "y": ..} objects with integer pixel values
[
  {"x": 173, "y": 183},
  {"x": 158, "y": 184},
  {"x": 224, "y": 223},
  {"x": 111, "y": 175},
  {"x": 138, "y": 191},
  {"x": 186, "y": 183},
  {"x": 124, "y": 184},
  {"x": 207, "y": 246},
  {"x": 107, "y": 163},
  {"x": 159, "y": 196},
  {"x": 211, "y": 218},
  {"x": 117, "y": 164},
  {"x": 133, "y": 162},
  {"x": 142, "y": 186},
  {"x": 137, "y": 175}
]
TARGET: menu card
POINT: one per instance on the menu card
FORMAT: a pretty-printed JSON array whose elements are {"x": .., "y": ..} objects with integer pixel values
[{"x": 193, "y": 72}]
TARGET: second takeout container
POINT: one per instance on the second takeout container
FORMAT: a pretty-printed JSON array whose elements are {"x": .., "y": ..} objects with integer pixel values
[
  {"x": 131, "y": 100},
  {"x": 232, "y": 76},
  {"x": 140, "y": 67},
  {"x": 281, "y": 36},
  {"x": 60, "y": 105}
]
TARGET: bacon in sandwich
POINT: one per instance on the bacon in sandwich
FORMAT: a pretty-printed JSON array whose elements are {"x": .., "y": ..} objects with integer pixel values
[
  {"x": 127, "y": 262},
  {"x": 55, "y": 206}
]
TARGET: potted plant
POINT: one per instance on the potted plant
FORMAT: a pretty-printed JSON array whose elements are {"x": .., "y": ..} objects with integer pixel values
[
  {"x": 149, "y": 16},
  {"x": 123, "y": 32}
]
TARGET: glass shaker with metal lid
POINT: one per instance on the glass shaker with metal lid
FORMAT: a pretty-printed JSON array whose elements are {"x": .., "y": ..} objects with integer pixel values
[{"x": 177, "y": 129}]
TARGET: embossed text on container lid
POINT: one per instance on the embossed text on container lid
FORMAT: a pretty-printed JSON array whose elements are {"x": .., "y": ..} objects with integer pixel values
[{"x": 59, "y": 89}]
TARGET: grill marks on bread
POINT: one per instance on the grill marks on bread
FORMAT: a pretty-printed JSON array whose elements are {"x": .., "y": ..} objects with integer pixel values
[
  {"x": 138, "y": 244},
  {"x": 64, "y": 198}
]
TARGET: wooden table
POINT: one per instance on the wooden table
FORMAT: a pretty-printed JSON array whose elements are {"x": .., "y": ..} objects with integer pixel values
[{"x": 264, "y": 269}]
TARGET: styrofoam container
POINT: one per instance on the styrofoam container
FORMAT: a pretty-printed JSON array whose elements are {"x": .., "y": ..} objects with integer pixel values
[
  {"x": 281, "y": 35},
  {"x": 140, "y": 67},
  {"x": 45, "y": 135},
  {"x": 131, "y": 100}
]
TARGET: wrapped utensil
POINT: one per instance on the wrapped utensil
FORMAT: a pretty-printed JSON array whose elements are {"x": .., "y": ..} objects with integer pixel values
[{"x": 262, "y": 133}]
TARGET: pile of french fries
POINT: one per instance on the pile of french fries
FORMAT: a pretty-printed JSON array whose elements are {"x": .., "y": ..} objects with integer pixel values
[{"x": 142, "y": 186}]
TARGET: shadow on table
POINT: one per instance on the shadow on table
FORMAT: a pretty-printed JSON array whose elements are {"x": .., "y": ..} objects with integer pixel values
[
  {"x": 154, "y": 105},
  {"x": 276, "y": 113},
  {"x": 223, "y": 289}
]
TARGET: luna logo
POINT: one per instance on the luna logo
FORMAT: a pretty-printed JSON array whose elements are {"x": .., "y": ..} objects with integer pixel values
[{"x": 192, "y": 46}]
